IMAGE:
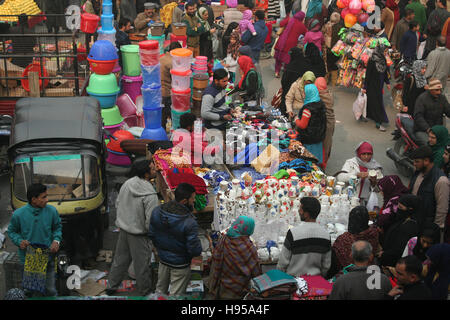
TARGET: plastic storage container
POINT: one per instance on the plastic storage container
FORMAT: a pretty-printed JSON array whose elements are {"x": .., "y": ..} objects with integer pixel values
[
  {"x": 199, "y": 70},
  {"x": 152, "y": 117},
  {"x": 102, "y": 67},
  {"x": 126, "y": 105},
  {"x": 89, "y": 23},
  {"x": 176, "y": 115},
  {"x": 181, "y": 59},
  {"x": 181, "y": 100},
  {"x": 181, "y": 80},
  {"x": 118, "y": 159},
  {"x": 130, "y": 60},
  {"x": 103, "y": 50},
  {"x": 111, "y": 116},
  {"x": 107, "y": 22},
  {"x": 149, "y": 52},
  {"x": 102, "y": 83},
  {"x": 180, "y": 39},
  {"x": 114, "y": 128},
  {"x": 107, "y": 35},
  {"x": 154, "y": 134},
  {"x": 200, "y": 81},
  {"x": 151, "y": 96},
  {"x": 105, "y": 100},
  {"x": 107, "y": 8},
  {"x": 160, "y": 40},
  {"x": 179, "y": 29},
  {"x": 151, "y": 75},
  {"x": 132, "y": 86},
  {"x": 157, "y": 29}
]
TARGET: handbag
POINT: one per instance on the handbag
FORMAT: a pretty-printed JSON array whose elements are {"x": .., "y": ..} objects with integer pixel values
[
  {"x": 35, "y": 268},
  {"x": 276, "y": 100}
]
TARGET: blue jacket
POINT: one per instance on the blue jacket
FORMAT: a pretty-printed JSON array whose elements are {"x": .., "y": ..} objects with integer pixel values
[
  {"x": 256, "y": 43},
  {"x": 174, "y": 232},
  {"x": 408, "y": 45},
  {"x": 38, "y": 226}
]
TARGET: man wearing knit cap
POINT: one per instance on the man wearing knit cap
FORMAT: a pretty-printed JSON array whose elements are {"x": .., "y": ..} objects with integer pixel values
[
  {"x": 430, "y": 108},
  {"x": 430, "y": 183},
  {"x": 147, "y": 17}
]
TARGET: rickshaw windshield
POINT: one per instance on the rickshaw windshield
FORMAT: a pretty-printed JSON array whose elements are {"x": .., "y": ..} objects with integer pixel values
[{"x": 67, "y": 177}]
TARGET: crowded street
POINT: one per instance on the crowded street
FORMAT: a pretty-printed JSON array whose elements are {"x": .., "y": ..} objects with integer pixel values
[{"x": 225, "y": 150}]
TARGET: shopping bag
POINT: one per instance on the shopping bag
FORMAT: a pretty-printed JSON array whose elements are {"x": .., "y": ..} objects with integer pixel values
[
  {"x": 420, "y": 50},
  {"x": 372, "y": 203},
  {"x": 360, "y": 105},
  {"x": 35, "y": 269}
]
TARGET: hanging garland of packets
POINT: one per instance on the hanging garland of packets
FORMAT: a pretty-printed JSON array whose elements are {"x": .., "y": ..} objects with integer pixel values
[{"x": 355, "y": 51}]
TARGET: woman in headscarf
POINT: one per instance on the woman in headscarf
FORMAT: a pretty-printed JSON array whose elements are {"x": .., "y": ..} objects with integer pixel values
[
  {"x": 404, "y": 228},
  {"x": 314, "y": 34},
  {"x": 234, "y": 261},
  {"x": 359, "y": 167},
  {"x": 376, "y": 76},
  {"x": 392, "y": 189},
  {"x": 294, "y": 27},
  {"x": 311, "y": 124},
  {"x": 438, "y": 139},
  {"x": 296, "y": 95},
  {"x": 250, "y": 80},
  {"x": 419, "y": 245},
  {"x": 206, "y": 48},
  {"x": 358, "y": 229},
  {"x": 327, "y": 98},
  {"x": 438, "y": 277},
  {"x": 314, "y": 58},
  {"x": 226, "y": 37},
  {"x": 316, "y": 10},
  {"x": 294, "y": 70},
  {"x": 414, "y": 85}
]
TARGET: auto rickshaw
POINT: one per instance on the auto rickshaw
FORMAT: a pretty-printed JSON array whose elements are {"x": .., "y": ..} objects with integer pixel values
[{"x": 59, "y": 142}]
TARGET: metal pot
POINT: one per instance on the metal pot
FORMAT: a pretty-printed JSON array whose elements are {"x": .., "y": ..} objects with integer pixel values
[
  {"x": 179, "y": 29},
  {"x": 157, "y": 29}
]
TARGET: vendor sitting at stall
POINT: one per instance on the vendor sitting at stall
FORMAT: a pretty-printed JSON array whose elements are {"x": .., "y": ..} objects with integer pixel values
[
  {"x": 250, "y": 83},
  {"x": 214, "y": 110},
  {"x": 186, "y": 139},
  {"x": 149, "y": 16}
]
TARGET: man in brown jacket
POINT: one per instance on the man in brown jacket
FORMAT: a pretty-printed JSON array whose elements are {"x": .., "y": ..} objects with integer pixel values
[
  {"x": 401, "y": 27},
  {"x": 144, "y": 18},
  {"x": 166, "y": 82},
  {"x": 194, "y": 28}
]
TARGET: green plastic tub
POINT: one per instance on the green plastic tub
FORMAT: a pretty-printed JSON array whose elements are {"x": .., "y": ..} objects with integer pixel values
[
  {"x": 111, "y": 116},
  {"x": 131, "y": 61}
]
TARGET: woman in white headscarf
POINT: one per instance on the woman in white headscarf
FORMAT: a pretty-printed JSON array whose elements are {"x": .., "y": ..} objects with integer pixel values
[{"x": 414, "y": 86}]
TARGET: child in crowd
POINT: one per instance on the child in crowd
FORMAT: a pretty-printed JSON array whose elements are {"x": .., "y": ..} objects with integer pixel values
[
  {"x": 231, "y": 61},
  {"x": 246, "y": 23}
]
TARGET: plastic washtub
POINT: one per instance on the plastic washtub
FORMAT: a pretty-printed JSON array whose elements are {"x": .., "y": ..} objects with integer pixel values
[
  {"x": 111, "y": 116},
  {"x": 131, "y": 61},
  {"x": 89, "y": 23},
  {"x": 118, "y": 159},
  {"x": 126, "y": 105},
  {"x": 103, "y": 50},
  {"x": 181, "y": 100},
  {"x": 103, "y": 84},
  {"x": 114, "y": 128},
  {"x": 181, "y": 59},
  {"x": 102, "y": 66},
  {"x": 181, "y": 80},
  {"x": 106, "y": 100}
]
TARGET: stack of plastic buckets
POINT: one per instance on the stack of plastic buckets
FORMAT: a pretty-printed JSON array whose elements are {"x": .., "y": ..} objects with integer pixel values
[
  {"x": 181, "y": 80},
  {"x": 151, "y": 90},
  {"x": 103, "y": 84},
  {"x": 107, "y": 30},
  {"x": 199, "y": 82},
  {"x": 157, "y": 34},
  {"x": 200, "y": 65}
]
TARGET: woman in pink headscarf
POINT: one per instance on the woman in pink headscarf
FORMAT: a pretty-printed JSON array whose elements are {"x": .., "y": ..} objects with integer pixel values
[
  {"x": 359, "y": 167},
  {"x": 294, "y": 27}
]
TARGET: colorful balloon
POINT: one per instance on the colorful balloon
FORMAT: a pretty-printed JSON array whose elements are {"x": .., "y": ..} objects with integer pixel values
[
  {"x": 349, "y": 20},
  {"x": 355, "y": 6},
  {"x": 364, "y": 4},
  {"x": 370, "y": 6},
  {"x": 346, "y": 3},
  {"x": 344, "y": 12},
  {"x": 362, "y": 18},
  {"x": 340, "y": 5}
]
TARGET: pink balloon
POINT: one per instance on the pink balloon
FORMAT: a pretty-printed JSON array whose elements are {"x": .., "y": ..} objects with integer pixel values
[
  {"x": 344, "y": 12},
  {"x": 346, "y": 2},
  {"x": 364, "y": 4},
  {"x": 355, "y": 6},
  {"x": 363, "y": 17}
]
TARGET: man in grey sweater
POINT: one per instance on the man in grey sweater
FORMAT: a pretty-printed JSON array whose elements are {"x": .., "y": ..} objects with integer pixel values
[
  {"x": 135, "y": 203},
  {"x": 439, "y": 63},
  {"x": 361, "y": 282},
  {"x": 307, "y": 247}
]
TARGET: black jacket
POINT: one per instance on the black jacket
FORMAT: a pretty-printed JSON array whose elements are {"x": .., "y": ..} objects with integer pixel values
[
  {"x": 415, "y": 291},
  {"x": 410, "y": 93},
  {"x": 315, "y": 132},
  {"x": 395, "y": 241},
  {"x": 426, "y": 191},
  {"x": 429, "y": 111}
]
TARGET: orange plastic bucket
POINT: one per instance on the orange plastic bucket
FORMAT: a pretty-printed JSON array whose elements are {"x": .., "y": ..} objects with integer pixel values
[
  {"x": 34, "y": 67},
  {"x": 89, "y": 23}
]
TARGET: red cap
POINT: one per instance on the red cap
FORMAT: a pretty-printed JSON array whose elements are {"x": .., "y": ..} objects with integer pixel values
[{"x": 149, "y": 44}]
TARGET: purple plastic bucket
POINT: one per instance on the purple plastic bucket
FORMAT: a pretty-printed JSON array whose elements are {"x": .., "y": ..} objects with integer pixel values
[
  {"x": 118, "y": 159},
  {"x": 114, "y": 128},
  {"x": 132, "y": 86}
]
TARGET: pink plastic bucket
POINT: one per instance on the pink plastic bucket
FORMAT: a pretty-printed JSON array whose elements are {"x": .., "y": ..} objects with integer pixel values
[
  {"x": 126, "y": 106},
  {"x": 118, "y": 159},
  {"x": 132, "y": 86}
]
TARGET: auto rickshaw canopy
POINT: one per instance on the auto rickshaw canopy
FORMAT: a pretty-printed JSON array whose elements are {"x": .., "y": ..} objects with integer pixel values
[{"x": 56, "y": 119}]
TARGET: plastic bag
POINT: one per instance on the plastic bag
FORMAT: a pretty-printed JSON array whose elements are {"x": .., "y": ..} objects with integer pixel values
[
  {"x": 360, "y": 105},
  {"x": 372, "y": 203}
]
